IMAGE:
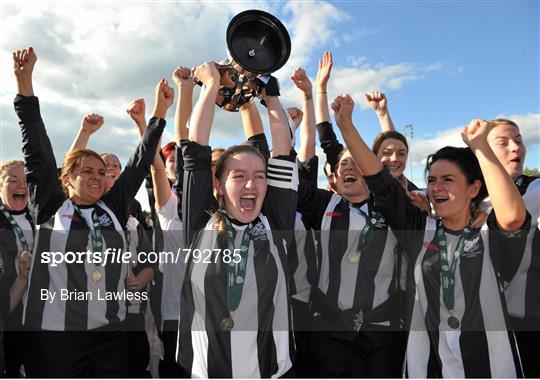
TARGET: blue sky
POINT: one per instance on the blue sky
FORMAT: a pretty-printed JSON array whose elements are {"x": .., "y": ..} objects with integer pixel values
[{"x": 440, "y": 63}]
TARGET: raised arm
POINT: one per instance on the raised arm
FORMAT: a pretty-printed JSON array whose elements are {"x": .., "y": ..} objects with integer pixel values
[
  {"x": 505, "y": 198},
  {"x": 197, "y": 194},
  {"x": 323, "y": 75},
  {"x": 253, "y": 128},
  {"x": 379, "y": 104},
  {"x": 184, "y": 105},
  {"x": 162, "y": 190},
  {"x": 127, "y": 185},
  {"x": 90, "y": 124},
  {"x": 368, "y": 163},
  {"x": 203, "y": 113},
  {"x": 46, "y": 192},
  {"x": 390, "y": 197},
  {"x": 307, "y": 127},
  {"x": 279, "y": 125}
]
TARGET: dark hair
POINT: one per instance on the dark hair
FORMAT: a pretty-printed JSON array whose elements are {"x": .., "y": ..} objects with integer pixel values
[
  {"x": 466, "y": 161},
  {"x": 385, "y": 136},
  {"x": 102, "y": 155},
  {"x": 221, "y": 165}
]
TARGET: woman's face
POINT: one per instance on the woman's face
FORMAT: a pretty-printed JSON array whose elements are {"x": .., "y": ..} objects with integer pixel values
[
  {"x": 507, "y": 144},
  {"x": 87, "y": 183},
  {"x": 112, "y": 169},
  {"x": 243, "y": 186},
  {"x": 170, "y": 166},
  {"x": 393, "y": 154},
  {"x": 448, "y": 189},
  {"x": 14, "y": 190},
  {"x": 349, "y": 180}
]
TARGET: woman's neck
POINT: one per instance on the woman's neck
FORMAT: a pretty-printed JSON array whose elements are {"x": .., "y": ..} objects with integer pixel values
[
  {"x": 357, "y": 198},
  {"x": 457, "y": 222}
]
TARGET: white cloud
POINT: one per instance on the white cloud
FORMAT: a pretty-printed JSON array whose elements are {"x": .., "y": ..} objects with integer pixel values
[{"x": 420, "y": 148}]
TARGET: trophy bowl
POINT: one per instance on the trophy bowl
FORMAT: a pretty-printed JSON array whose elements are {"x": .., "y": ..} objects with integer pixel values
[{"x": 258, "y": 44}]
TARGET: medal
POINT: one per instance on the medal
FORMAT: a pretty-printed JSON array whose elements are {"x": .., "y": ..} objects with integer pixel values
[
  {"x": 353, "y": 257},
  {"x": 227, "y": 323},
  {"x": 96, "y": 276},
  {"x": 453, "y": 322}
]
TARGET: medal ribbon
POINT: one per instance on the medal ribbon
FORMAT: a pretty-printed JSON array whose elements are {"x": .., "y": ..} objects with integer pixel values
[
  {"x": 95, "y": 235},
  {"x": 236, "y": 273},
  {"x": 16, "y": 227},
  {"x": 366, "y": 235},
  {"x": 448, "y": 272}
]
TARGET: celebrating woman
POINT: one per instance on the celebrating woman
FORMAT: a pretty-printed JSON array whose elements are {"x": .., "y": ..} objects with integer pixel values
[
  {"x": 78, "y": 332},
  {"x": 17, "y": 238},
  {"x": 456, "y": 314},
  {"x": 235, "y": 315}
]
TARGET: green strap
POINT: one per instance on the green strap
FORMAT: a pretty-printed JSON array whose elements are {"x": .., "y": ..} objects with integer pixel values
[
  {"x": 16, "y": 227},
  {"x": 366, "y": 235},
  {"x": 236, "y": 273},
  {"x": 448, "y": 271},
  {"x": 95, "y": 234}
]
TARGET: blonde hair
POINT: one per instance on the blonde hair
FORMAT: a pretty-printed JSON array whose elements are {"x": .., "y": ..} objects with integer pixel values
[
  {"x": 5, "y": 166},
  {"x": 496, "y": 122}
]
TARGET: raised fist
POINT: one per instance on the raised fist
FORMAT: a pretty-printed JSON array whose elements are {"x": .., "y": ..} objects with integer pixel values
[
  {"x": 301, "y": 81},
  {"x": 343, "y": 107},
  {"x": 377, "y": 101},
  {"x": 92, "y": 122},
  {"x": 136, "y": 110}
]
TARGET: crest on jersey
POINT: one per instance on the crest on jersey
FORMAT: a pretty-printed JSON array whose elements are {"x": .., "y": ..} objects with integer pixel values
[
  {"x": 105, "y": 220},
  {"x": 258, "y": 232},
  {"x": 471, "y": 245}
]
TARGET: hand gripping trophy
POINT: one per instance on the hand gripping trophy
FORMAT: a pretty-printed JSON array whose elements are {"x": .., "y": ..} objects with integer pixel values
[{"x": 258, "y": 45}]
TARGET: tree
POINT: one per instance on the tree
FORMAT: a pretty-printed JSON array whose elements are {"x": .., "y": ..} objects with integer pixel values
[{"x": 531, "y": 171}]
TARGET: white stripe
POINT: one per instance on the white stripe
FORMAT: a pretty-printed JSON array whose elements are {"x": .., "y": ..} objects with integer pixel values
[
  {"x": 293, "y": 184},
  {"x": 418, "y": 343},
  {"x": 501, "y": 359},
  {"x": 325, "y": 243}
]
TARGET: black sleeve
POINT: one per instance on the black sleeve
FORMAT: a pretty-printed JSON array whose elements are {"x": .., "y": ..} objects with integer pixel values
[
  {"x": 144, "y": 245},
  {"x": 407, "y": 221},
  {"x": 7, "y": 277},
  {"x": 198, "y": 200},
  {"x": 329, "y": 143},
  {"x": 261, "y": 143},
  {"x": 46, "y": 193},
  {"x": 507, "y": 248},
  {"x": 308, "y": 170},
  {"x": 136, "y": 170},
  {"x": 281, "y": 197},
  {"x": 312, "y": 203},
  {"x": 178, "y": 186}
]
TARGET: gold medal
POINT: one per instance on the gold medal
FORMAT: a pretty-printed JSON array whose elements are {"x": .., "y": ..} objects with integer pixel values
[
  {"x": 453, "y": 322},
  {"x": 227, "y": 323},
  {"x": 354, "y": 257},
  {"x": 96, "y": 276}
]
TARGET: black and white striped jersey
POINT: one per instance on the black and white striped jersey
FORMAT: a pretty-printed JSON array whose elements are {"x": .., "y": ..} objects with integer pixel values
[
  {"x": 261, "y": 343},
  {"x": 12, "y": 248},
  {"x": 172, "y": 270},
  {"x": 522, "y": 292},
  {"x": 480, "y": 346},
  {"x": 366, "y": 282},
  {"x": 139, "y": 246},
  {"x": 63, "y": 229}
]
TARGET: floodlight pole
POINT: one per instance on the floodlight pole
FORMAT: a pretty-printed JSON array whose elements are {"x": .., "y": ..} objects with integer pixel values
[{"x": 409, "y": 132}]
